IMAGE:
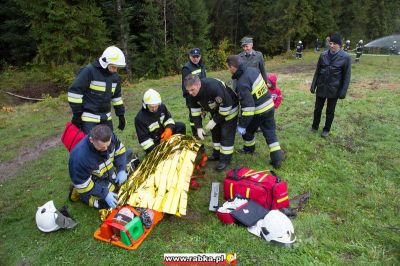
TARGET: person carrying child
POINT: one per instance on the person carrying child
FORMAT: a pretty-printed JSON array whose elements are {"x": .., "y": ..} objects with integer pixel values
[{"x": 274, "y": 90}]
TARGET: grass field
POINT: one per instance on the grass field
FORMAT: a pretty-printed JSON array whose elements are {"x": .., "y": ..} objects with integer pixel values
[{"x": 353, "y": 177}]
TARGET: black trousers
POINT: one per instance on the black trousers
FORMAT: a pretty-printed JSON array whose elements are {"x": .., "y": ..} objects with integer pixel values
[
  {"x": 330, "y": 112},
  {"x": 223, "y": 138},
  {"x": 87, "y": 126},
  {"x": 265, "y": 121},
  {"x": 179, "y": 128}
]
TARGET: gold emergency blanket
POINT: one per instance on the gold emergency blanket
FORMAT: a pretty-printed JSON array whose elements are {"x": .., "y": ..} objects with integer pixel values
[{"x": 161, "y": 182}]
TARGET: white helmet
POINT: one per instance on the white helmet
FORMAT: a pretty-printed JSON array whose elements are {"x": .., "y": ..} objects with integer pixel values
[
  {"x": 277, "y": 227},
  {"x": 348, "y": 41},
  {"x": 361, "y": 41},
  {"x": 394, "y": 41},
  {"x": 49, "y": 219},
  {"x": 300, "y": 42},
  {"x": 112, "y": 55},
  {"x": 151, "y": 96},
  {"x": 46, "y": 217}
]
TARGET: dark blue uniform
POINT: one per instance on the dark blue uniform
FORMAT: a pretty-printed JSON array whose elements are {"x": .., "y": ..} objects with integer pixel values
[
  {"x": 93, "y": 172},
  {"x": 92, "y": 93},
  {"x": 257, "y": 110}
]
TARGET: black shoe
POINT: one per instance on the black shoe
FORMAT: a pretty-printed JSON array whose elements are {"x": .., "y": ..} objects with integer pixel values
[
  {"x": 242, "y": 151},
  {"x": 312, "y": 130},
  {"x": 325, "y": 134},
  {"x": 276, "y": 165},
  {"x": 221, "y": 166},
  {"x": 213, "y": 157}
]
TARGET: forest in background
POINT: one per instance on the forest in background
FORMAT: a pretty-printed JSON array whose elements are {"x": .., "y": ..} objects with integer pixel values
[{"x": 156, "y": 35}]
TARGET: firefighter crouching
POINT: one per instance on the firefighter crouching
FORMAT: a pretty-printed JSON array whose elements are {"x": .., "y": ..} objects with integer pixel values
[
  {"x": 212, "y": 95},
  {"x": 154, "y": 122},
  {"x": 97, "y": 166},
  {"x": 257, "y": 109},
  {"x": 95, "y": 89}
]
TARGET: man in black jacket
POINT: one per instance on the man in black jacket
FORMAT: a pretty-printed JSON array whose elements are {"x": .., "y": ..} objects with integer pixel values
[
  {"x": 331, "y": 81},
  {"x": 212, "y": 95},
  {"x": 194, "y": 66},
  {"x": 95, "y": 89}
]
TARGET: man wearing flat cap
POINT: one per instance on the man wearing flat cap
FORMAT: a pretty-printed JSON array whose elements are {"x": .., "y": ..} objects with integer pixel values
[
  {"x": 330, "y": 83},
  {"x": 194, "y": 66},
  {"x": 252, "y": 58}
]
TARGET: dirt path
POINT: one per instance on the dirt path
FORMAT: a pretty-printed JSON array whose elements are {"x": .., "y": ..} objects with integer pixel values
[{"x": 10, "y": 168}]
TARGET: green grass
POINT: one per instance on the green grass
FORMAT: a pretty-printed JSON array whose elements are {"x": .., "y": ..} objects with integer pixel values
[{"x": 353, "y": 177}]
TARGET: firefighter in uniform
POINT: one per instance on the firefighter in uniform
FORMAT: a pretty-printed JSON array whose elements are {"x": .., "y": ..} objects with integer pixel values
[
  {"x": 299, "y": 50},
  {"x": 359, "y": 50},
  {"x": 95, "y": 88},
  {"x": 347, "y": 46},
  {"x": 212, "y": 95},
  {"x": 194, "y": 66},
  {"x": 252, "y": 58},
  {"x": 97, "y": 166},
  {"x": 257, "y": 109},
  {"x": 154, "y": 123}
]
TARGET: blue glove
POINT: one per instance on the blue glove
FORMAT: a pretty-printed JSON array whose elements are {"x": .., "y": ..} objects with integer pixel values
[
  {"x": 121, "y": 177},
  {"x": 111, "y": 199},
  {"x": 241, "y": 130}
]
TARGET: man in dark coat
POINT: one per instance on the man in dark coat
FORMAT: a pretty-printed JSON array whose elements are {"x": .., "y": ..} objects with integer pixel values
[{"x": 331, "y": 81}]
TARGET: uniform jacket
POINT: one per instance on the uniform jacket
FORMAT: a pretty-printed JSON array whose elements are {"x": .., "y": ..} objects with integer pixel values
[
  {"x": 253, "y": 94},
  {"x": 93, "y": 92},
  {"x": 254, "y": 59},
  {"x": 332, "y": 76},
  {"x": 275, "y": 92},
  {"x": 214, "y": 97},
  {"x": 359, "y": 48},
  {"x": 299, "y": 48},
  {"x": 149, "y": 126},
  {"x": 190, "y": 68},
  {"x": 89, "y": 168}
]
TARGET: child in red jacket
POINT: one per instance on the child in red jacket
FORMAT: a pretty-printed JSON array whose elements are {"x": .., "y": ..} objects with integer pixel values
[{"x": 274, "y": 90}]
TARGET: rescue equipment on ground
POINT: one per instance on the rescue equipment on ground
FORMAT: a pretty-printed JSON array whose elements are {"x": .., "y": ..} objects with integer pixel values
[
  {"x": 161, "y": 181},
  {"x": 213, "y": 206},
  {"x": 71, "y": 136},
  {"x": 49, "y": 219},
  {"x": 277, "y": 227},
  {"x": 128, "y": 227},
  {"x": 264, "y": 187},
  {"x": 243, "y": 211}
]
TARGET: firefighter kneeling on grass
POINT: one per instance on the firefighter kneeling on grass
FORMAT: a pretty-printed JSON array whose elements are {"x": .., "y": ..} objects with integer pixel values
[
  {"x": 97, "y": 167},
  {"x": 154, "y": 123}
]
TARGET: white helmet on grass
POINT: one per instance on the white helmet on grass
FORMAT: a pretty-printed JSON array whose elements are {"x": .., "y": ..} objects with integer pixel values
[
  {"x": 49, "y": 219},
  {"x": 277, "y": 227}
]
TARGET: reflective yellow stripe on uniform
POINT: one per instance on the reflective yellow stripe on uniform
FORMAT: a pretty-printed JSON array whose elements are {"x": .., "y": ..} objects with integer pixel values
[
  {"x": 154, "y": 126},
  {"x": 196, "y": 72},
  {"x": 75, "y": 98},
  {"x": 217, "y": 146},
  {"x": 101, "y": 86},
  {"x": 86, "y": 186},
  {"x": 226, "y": 149},
  {"x": 268, "y": 105},
  {"x": 170, "y": 121},
  {"x": 121, "y": 150},
  {"x": 89, "y": 117},
  {"x": 224, "y": 111},
  {"x": 274, "y": 147},
  {"x": 195, "y": 111},
  {"x": 248, "y": 111},
  {"x": 232, "y": 114},
  {"x": 117, "y": 101},
  {"x": 147, "y": 143},
  {"x": 249, "y": 143}
]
